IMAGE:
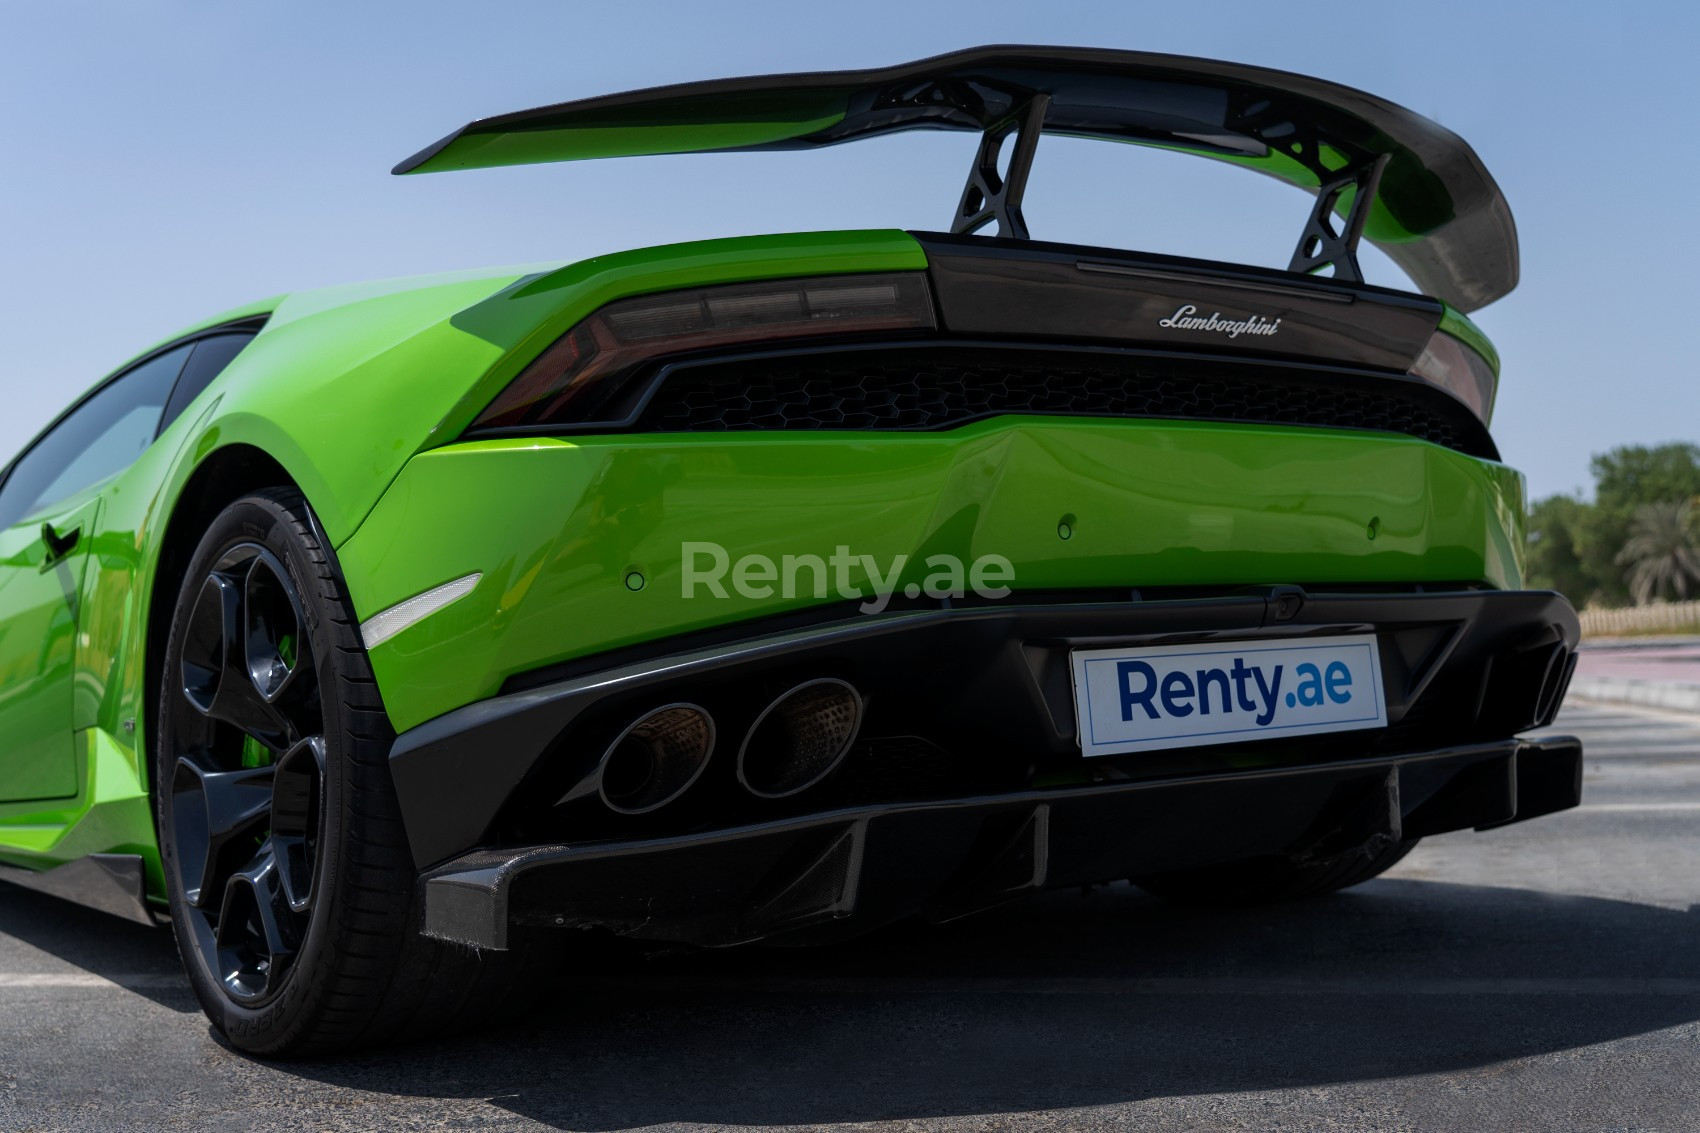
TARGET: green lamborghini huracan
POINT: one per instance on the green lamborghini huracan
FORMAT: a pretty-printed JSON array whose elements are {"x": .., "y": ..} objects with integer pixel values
[{"x": 785, "y": 586}]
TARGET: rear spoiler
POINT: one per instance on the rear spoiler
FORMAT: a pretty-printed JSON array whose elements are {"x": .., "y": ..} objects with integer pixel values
[{"x": 1411, "y": 187}]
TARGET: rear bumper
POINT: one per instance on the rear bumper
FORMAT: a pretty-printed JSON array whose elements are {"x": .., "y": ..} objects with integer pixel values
[
  {"x": 854, "y": 869},
  {"x": 964, "y": 701},
  {"x": 557, "y": 528}
]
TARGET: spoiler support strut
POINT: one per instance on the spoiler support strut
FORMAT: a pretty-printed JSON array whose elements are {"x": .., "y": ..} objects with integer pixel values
[
  {"x": 990, "y": 196},
  {"x": 1321, "y": 245}
]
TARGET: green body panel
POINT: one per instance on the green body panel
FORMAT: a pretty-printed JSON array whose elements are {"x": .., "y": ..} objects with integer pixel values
[
  {"x": 111, "y": 813},
  {"x": 38, "y": 643},
  {"x": 1149, "y": 503},
  {"x": 110, "y": 809}
]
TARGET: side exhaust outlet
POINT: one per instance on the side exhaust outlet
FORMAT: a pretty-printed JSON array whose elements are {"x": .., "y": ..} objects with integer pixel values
[
  {"x": 656, "y": 759},
  {"x": 799, "y": 738}
]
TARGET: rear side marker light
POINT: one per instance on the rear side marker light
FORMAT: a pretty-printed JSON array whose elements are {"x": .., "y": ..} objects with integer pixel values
[
  {"x": 582, "y": 375},
  {"x": 382, "y": 626}
]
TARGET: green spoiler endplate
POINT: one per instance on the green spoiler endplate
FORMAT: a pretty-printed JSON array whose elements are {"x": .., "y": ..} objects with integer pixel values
[{"x": 1438, "y": 214}]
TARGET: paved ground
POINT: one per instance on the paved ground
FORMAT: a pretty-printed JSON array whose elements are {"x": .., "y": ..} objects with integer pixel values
[
  {"x": 1544, "y": 976},
  {"x": 1672, "y": 659},
  {"x": 1655, "y": 672}
]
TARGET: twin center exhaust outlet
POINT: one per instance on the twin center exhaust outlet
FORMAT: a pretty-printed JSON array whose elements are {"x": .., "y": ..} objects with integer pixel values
[{"x": 796, "y": 742}]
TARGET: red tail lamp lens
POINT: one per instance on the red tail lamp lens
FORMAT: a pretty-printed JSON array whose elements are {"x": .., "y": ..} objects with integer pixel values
[
  {"x": 1452, "y": 366},
  {"x": 582, "y": 375}
]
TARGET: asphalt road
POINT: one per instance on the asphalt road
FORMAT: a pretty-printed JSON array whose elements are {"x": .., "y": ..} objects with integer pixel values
[{"x": 1543, "y": 976}]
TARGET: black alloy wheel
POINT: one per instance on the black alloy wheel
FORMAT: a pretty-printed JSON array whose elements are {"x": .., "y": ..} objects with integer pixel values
[
  {"x": 293, "y": 890},
  {"x": 247, "y": 790}
]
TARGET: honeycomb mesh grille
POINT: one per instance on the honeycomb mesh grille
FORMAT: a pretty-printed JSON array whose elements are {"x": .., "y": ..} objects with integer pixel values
[{"x": 936, "y": 389}]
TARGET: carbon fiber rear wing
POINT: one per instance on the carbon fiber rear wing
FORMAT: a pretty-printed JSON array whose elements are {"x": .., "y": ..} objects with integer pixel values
[{"x": 1411, "y": 187}]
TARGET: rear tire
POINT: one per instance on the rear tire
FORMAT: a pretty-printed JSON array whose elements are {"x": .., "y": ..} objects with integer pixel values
[
  {"x": 1260, "y": 880},
  {"x": 292, "y": 888}
]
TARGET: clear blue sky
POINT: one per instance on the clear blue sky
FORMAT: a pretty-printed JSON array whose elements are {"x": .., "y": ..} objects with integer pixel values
[{"x": 168, "y": 159}]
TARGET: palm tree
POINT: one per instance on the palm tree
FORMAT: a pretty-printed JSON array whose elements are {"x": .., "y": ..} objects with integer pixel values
[{"x": 1662, "y": 551}]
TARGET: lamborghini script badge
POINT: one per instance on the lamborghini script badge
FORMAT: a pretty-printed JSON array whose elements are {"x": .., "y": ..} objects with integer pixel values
[{"x": 1188, "y": 318}]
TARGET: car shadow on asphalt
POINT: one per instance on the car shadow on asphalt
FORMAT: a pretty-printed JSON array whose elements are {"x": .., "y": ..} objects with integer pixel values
[
  {"x": 142, "y": 959},
  {"x": 1065, "y": 1001}
]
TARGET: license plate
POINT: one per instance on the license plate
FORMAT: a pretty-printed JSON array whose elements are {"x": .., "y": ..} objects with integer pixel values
[{"x": 1169, "y": 696}]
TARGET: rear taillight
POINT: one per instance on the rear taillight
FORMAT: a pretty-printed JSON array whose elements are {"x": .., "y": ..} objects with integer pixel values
[
  {"x": 584, "y": 376},
  {"x": 1447, "y": 363}
]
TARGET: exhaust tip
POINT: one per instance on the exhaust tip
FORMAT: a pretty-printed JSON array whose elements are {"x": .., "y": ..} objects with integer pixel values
[
  {"x": 656, "y": 759},
  {"x": 800, "y": 738}
]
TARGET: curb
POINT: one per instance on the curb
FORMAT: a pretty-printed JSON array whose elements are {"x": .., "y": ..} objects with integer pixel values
[{"x": 1647, "y": 694}]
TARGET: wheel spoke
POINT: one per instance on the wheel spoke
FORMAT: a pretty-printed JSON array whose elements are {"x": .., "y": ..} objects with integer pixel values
[
  {"x": 253, "y": 946},
  {"x": 217, "y": 677},
  {"x": 296, "y": 809},
  {"x": 273, "y": 638},
  {"x": 210, "y": 810}
]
